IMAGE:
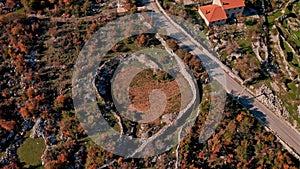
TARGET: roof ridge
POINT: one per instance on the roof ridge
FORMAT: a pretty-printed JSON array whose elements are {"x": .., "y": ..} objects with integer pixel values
[
  {"x": 214, "y": 9},
  {"x": 228, "y": 4},
  {"x": 213, "y": 12}
]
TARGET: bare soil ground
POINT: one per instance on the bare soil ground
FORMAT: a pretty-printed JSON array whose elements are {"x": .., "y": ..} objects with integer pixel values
[{"x": 147, "y": 81}]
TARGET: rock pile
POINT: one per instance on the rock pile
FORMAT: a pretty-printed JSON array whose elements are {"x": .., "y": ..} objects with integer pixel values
[{"x": 269, "y": 99}]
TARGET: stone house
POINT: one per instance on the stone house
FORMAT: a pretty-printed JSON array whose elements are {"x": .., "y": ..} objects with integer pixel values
[{"x": 214, "y": 14}]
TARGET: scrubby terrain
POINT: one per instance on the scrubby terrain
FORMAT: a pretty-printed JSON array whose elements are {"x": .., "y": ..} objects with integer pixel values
[{"x": 40, "y": 42}]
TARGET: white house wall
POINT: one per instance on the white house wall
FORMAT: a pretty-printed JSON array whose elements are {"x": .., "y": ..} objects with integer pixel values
[
  {"x": 217, "y": 2},
  {"x": 203, "y": 16},
  {"x": 229, "y": 12}
]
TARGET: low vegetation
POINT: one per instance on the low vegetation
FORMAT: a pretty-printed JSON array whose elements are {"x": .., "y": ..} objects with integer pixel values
[
  {"x": 37, "y": 55},
  {"x": 30, "y": 152}
]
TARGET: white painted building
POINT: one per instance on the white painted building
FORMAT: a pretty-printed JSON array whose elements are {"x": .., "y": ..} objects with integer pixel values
[
  {"x": 213, "y": 14},
  {"x": 231, "y": 7},
  {"x": 220, "y": 11}
]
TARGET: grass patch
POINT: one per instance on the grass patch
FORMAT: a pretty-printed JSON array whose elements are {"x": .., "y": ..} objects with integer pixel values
[
  {"x": 297, "y": 33},
  {"x": 251, "y": 22},
  {"x": 272, "y": 17},
  {"x": 2, "y": 154},
  {"x": 292, "y": 38},
  {"x": 245, "y": 45},
  {"x": 20, "y": 11},
  {"x": 291, "y": 101},
  {"x": 31, "y": 151},
  {"x": 291, "y": 58},
  {"x": 127, "y": 48}
]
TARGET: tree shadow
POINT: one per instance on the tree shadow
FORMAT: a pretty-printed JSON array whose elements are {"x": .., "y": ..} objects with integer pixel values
[
  {"x": 36, "y": 166},
  {"x": 249, "y": 103},
  {"x": 188, "y": 48},
  {"x": 250, "y": 12}
]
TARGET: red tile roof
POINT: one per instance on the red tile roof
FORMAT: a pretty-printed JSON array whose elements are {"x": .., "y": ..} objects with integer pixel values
[
  {"x": 213, "y": 12},
  {"x": 227, "y": 4}
]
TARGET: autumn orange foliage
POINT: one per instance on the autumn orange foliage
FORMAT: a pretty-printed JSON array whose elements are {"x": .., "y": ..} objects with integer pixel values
[
  {"x": 239, "y": 118},
  {"x": 25, "y": 114},
  {"x": 7, "y": 125}
]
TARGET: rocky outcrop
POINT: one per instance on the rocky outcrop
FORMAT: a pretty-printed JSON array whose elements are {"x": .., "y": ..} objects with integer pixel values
[
  {"x": 37, "y": 130},
  {"x": 269, "y": 99},
  {"x": 299, "y": 111}
]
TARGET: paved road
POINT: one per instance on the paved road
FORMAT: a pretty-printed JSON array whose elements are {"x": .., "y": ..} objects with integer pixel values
[{"x": 231, "y": 83}]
